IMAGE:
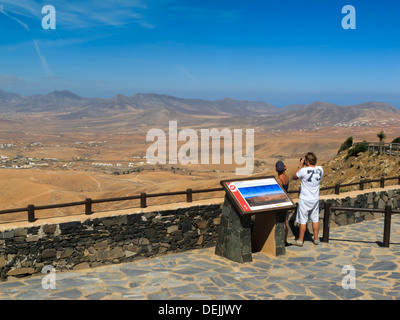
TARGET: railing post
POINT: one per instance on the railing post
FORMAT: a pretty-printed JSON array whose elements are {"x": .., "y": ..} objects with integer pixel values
[
  {"x": 337, "y": 188},
  {"x": 189, "y": 197},
  {"x": 88, "y": 206},
  {"x": 361, "y": 185},
  {"x": 386, "y": 227},
  {"x": 382, "y": 182},
  {"x": 31, "y": 213},
  {"x": 398, "y": 180},
  {"x": 327, "y": 216},
  {"x": 143, "y": 197}
]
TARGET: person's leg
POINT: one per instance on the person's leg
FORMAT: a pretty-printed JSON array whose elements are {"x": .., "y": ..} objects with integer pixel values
[
  {"x": 302, "y": 231},
  {"x": 315, "y": 226},
  {"x": 286, "y": 229},
  {"x": 301, "y": 219},
  {"x": 315, "y": 221}
]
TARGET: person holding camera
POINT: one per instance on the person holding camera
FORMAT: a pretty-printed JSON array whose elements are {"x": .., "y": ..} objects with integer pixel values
[{"x": 310, "y": 176}]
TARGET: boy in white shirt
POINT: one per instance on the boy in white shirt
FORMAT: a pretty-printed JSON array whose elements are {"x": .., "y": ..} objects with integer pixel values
[{"x": 308, "y": 209}]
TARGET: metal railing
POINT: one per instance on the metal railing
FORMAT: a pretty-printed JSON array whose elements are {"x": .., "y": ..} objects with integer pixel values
[
  {"x": 88, "y": 202},
  {"x": 388, "y": 211}
]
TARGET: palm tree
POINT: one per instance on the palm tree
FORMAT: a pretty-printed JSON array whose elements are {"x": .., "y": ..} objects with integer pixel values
[{"x": 381, "y": 135}]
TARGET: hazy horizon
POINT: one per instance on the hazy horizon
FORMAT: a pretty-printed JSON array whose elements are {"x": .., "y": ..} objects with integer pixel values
[
  {"x": 286, "y": 52},
  {"x": 201, "y": 98}
]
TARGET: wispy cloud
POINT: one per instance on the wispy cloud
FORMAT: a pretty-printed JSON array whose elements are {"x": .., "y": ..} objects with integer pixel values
[
  {"x": 11, "y": 80},
  {"x": 21, "y": 23},
  {"x": 73, "y": 15},
  {"x": 42, "y": 58},
  {"x": 85, "y": 13},
  {"x": 43, "y": 61},
  {"x": 187, "y": 73}
]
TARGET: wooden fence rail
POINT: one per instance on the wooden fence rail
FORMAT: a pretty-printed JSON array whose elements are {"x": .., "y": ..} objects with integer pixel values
[
  {"x": 388, "y": 211},
  {"x": 88, "y": 202},
  {"x": 389, "y": 148}
]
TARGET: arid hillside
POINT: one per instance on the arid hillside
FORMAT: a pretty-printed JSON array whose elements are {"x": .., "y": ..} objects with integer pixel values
[
  {"x": 64, "y": 148},
  {"x": 366, "y": 165}
]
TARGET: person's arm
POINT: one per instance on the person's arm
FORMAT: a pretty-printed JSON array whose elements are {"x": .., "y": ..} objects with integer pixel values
[{"x": 301, "y": 164}]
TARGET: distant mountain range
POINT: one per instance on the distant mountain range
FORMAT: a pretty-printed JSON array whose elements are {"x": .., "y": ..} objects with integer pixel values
[
  {"x": 59, "y": 100},
  {"x": 153, "y": 109}
]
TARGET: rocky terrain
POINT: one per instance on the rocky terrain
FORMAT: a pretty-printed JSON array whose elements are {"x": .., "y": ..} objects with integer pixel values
[{"x": 367, "y": 165}]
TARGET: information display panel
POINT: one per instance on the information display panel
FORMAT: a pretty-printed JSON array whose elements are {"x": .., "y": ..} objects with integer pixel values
[{"x": 257, "y": 195}]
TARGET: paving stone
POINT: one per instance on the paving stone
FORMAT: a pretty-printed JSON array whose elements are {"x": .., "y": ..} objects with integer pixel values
[
  {"x": 96, "y": 296},
  {"x": 317, "y": 282},
  {"x": 33, "y": 295},
  {"x": 171, "y": 283},
  {"x": 275, "y": 279},
  {"x": 359, "y": 267},
  {"x": 326, "y": 257},
  {"x": 133, "y": 272},
  {"x": 308, "y": 272},
  {"x": 298, "y": 297},
  {"x": 293, "y": 288},
  {"x": 383, "y": 265},
  {"x": 252, "y": 282},
  {"x": 385, "y": 258},
  {"x": 130, "y": 296},
  {"x": 262, "y": 265},
  {"x": 11, "y": 284},
  {"x": 264, "y": 295},
  {"x": 115, "y": 288},
  {"x": 161, "y": 295},
  {"x": 68, "y": 274},
  {"x": 115, "y": 282},
  {"x": 71, "y": 294},
  {"x": 217, "y": 280},
  {"x": 380, "y": 297},
  {"x": 393, "y": 294},
  {"x": 190, "y": 270},
  {"x": 74, "y": 282},
  {"x": 301, "y": 259},
  {"x": 92, "y": 288},
  {"x": 378, "y": 283},
  {"x": 273, "y": 289},
  {"x": 189, "y": 288},
  {"x": 323, "y": 294},
  {"x": 213, "y": 292},
  {"x": 205, "y": 264},
  {"x": 345, "y": 294}
]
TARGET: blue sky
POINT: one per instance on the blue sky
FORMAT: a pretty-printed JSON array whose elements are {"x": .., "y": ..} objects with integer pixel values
[
  {"x": 282, "y": 52},
  {"x": 249, "y": 192}
]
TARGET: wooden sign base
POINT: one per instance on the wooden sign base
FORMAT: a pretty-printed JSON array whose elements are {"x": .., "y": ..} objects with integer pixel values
[{"x": 268, "y": 235}]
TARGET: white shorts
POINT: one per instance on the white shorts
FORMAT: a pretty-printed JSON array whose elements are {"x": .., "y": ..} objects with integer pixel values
[{"x": 307, "y": 211}]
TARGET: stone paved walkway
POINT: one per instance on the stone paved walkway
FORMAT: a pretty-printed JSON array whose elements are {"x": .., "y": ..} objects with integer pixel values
[{"x": 308, "y": 272}]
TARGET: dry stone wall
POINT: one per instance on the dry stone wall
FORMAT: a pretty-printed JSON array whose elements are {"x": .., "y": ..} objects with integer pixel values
[
  {"x": 97, "y": 241},
  {"x": 100, "y": 241}
]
